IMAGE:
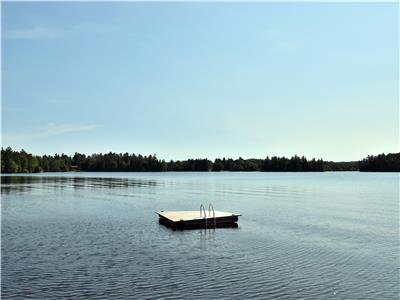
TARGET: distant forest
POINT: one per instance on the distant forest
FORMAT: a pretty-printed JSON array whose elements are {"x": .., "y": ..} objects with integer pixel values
[{"x": 23, "y": 162}]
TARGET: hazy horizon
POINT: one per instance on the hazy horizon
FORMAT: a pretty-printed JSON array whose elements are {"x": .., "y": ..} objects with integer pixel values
[{"x": 197, "y": 80}]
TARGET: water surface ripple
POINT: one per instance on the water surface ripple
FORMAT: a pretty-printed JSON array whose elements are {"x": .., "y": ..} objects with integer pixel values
[{"x": 301, "y": 236}]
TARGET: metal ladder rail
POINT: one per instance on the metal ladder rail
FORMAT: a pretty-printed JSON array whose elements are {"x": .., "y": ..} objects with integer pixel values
[
  {"x": 210, "y": 206},
  {"x": 205, "y": 214}
]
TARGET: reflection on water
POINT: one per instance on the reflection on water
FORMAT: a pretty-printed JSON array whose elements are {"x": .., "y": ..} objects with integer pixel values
[
  {"x": 11, "y": 184},
  {"x": 300, "y": 236}
]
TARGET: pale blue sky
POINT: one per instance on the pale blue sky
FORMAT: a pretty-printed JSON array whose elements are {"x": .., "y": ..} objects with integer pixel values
[{"x": 190, "y": 80}]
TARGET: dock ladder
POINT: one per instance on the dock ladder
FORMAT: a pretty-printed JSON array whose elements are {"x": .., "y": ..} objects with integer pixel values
[
  {"x": 210, "y": 206},
  {"x": 203, "y": 212}
]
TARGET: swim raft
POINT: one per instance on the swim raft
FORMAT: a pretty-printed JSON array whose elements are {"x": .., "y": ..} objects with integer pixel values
[{"x": 198, "y": 219}]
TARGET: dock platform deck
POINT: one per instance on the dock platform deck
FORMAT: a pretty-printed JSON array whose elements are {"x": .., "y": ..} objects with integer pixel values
[{"x": 195, "y": 219}]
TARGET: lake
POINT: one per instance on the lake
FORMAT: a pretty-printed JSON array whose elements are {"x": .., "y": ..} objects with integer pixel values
[{"x": 300, "y": 236}]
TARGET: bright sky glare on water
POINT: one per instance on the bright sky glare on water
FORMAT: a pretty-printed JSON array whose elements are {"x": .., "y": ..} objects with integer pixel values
[{"x": 191, "y": 80}]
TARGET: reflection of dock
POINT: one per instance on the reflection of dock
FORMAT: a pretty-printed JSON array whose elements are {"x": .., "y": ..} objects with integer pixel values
[{"x": 198, "y": 219}]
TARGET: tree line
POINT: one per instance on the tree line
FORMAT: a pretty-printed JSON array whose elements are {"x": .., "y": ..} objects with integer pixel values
[
  {"x": 23, "y": 162},
  {"x": 381, "y": 163}
]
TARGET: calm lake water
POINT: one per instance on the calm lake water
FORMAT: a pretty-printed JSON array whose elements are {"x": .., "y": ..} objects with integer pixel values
[{"x": 301, "y": 236}]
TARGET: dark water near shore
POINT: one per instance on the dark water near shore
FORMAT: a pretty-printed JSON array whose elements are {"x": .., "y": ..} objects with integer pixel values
[{"x": 301, "y": 236}]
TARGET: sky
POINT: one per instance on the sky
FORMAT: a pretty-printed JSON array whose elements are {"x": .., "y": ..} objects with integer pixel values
[{"x": 195, "y": 80}]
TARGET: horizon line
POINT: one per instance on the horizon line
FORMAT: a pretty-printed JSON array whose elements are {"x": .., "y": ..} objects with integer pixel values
[{"x": 3, "y": 148}]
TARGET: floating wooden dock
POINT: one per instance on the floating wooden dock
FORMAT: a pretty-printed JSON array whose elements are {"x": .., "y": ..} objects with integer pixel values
[{"x": 198, "y": 219}]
